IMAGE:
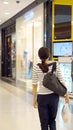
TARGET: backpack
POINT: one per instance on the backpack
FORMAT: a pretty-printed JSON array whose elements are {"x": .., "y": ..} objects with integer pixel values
[{"x": 52, "y": 82}]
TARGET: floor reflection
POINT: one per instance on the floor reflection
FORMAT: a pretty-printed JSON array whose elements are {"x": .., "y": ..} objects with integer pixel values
[
  {"x": 60, "y": 123},
  {"x": 16, "y": 110}
]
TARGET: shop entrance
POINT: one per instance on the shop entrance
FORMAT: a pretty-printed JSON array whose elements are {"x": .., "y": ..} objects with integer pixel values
[{"x": 8, "y": 54}]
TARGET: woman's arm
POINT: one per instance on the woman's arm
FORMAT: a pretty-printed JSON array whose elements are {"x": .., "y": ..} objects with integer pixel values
[
  {"x": 66, "y": 95},
  {"x": 34, "y": 92},
  {"x": 67, "y": 98},
  {"x": 61, "y": 79}
]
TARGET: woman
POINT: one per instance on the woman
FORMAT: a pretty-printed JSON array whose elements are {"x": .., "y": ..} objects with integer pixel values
[{"x": 47, "y": 100}]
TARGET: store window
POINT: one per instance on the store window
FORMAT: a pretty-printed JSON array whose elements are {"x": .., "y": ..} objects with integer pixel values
[
  {"x": 8, "y": 59},
  {"x": 29, "y": 38},
  {"x": 62, "y": 21},
  {"x": 13, "y": 55}
]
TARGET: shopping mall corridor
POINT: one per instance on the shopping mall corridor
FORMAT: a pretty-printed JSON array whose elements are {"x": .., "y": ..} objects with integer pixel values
[{"x": 17, "y": 112}]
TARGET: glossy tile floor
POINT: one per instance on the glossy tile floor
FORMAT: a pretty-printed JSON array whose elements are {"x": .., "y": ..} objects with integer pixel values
[{"x": 17, "y": 112}]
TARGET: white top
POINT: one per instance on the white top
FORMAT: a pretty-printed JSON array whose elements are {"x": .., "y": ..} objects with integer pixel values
[{"x": 38, "y": 75}]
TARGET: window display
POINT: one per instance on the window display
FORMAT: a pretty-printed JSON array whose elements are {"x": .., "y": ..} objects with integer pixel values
[
  {"x": 29, "y": 38},
  {"x": 62, "y": 49},
  {"x": 13, "y": 56},
  {"x": 8, "y": 56},
  {"x": 66, "y": 72}
]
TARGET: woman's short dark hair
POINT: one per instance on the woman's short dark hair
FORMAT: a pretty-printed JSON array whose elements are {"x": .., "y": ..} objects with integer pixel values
[{"x": 43, "y": 54}]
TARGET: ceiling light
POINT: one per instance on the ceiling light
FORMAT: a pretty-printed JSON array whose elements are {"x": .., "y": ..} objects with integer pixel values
[
  {"x": 7, "y": 13},
  {"x": 5, "y": 2}
]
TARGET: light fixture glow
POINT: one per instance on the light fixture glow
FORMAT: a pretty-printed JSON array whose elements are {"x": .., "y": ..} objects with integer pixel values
[
  {"x": 5, "y": 2},
  {"x": 7, "y": 13}
]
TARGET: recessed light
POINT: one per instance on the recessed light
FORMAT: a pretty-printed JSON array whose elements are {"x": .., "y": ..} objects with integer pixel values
[
  {"x": 5, "y": 2},
  {"x": 7, "y": 13}
]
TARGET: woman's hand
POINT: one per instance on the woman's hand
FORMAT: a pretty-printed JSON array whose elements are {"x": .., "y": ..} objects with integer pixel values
[
  {"x": 66, "y": 95},
  {"x": 34, "y": 103},
  {"x": 67, "y": 98}
]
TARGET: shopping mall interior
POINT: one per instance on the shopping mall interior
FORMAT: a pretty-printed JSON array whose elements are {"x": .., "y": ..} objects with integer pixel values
[{"x": 25, "y": 26}]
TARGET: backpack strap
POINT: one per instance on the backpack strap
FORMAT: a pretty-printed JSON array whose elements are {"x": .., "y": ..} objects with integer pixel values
[{"x": 54, "y": 67}]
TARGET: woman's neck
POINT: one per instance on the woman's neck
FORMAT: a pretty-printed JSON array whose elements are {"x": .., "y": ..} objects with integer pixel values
[{"x": 47, "y": 61}]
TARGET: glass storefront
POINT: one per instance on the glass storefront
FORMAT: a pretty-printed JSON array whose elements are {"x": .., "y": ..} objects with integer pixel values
[
  {"x": 13, "y": 55},
  {"x": 29, "y": 38},
  {"x": 8, "y": 58}
]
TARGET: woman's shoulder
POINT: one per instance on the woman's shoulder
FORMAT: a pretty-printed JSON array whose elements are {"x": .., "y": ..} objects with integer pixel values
[
  {"x": 35, "y": 66},
  {"x": 51, "y": 63}
]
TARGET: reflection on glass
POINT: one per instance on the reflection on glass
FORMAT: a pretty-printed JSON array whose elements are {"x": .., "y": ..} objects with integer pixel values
[
  {"x": 29, "y": 40},
  {"x": 62, "y": 22},
  {"x": 13, "y": 56},
  {"x": 66, "y": 73}
]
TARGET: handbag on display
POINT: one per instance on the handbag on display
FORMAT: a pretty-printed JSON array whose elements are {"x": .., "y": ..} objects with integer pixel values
[{"x": 52, "y": 82}]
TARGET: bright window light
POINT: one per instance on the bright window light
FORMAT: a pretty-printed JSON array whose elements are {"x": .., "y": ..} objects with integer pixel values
[
  {"x": 7, "y": 13},
  {"x": 5, "y": 2}
]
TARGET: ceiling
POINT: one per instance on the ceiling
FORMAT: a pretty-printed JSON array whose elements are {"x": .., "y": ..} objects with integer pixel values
[{"x": 11, "y": 8}]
